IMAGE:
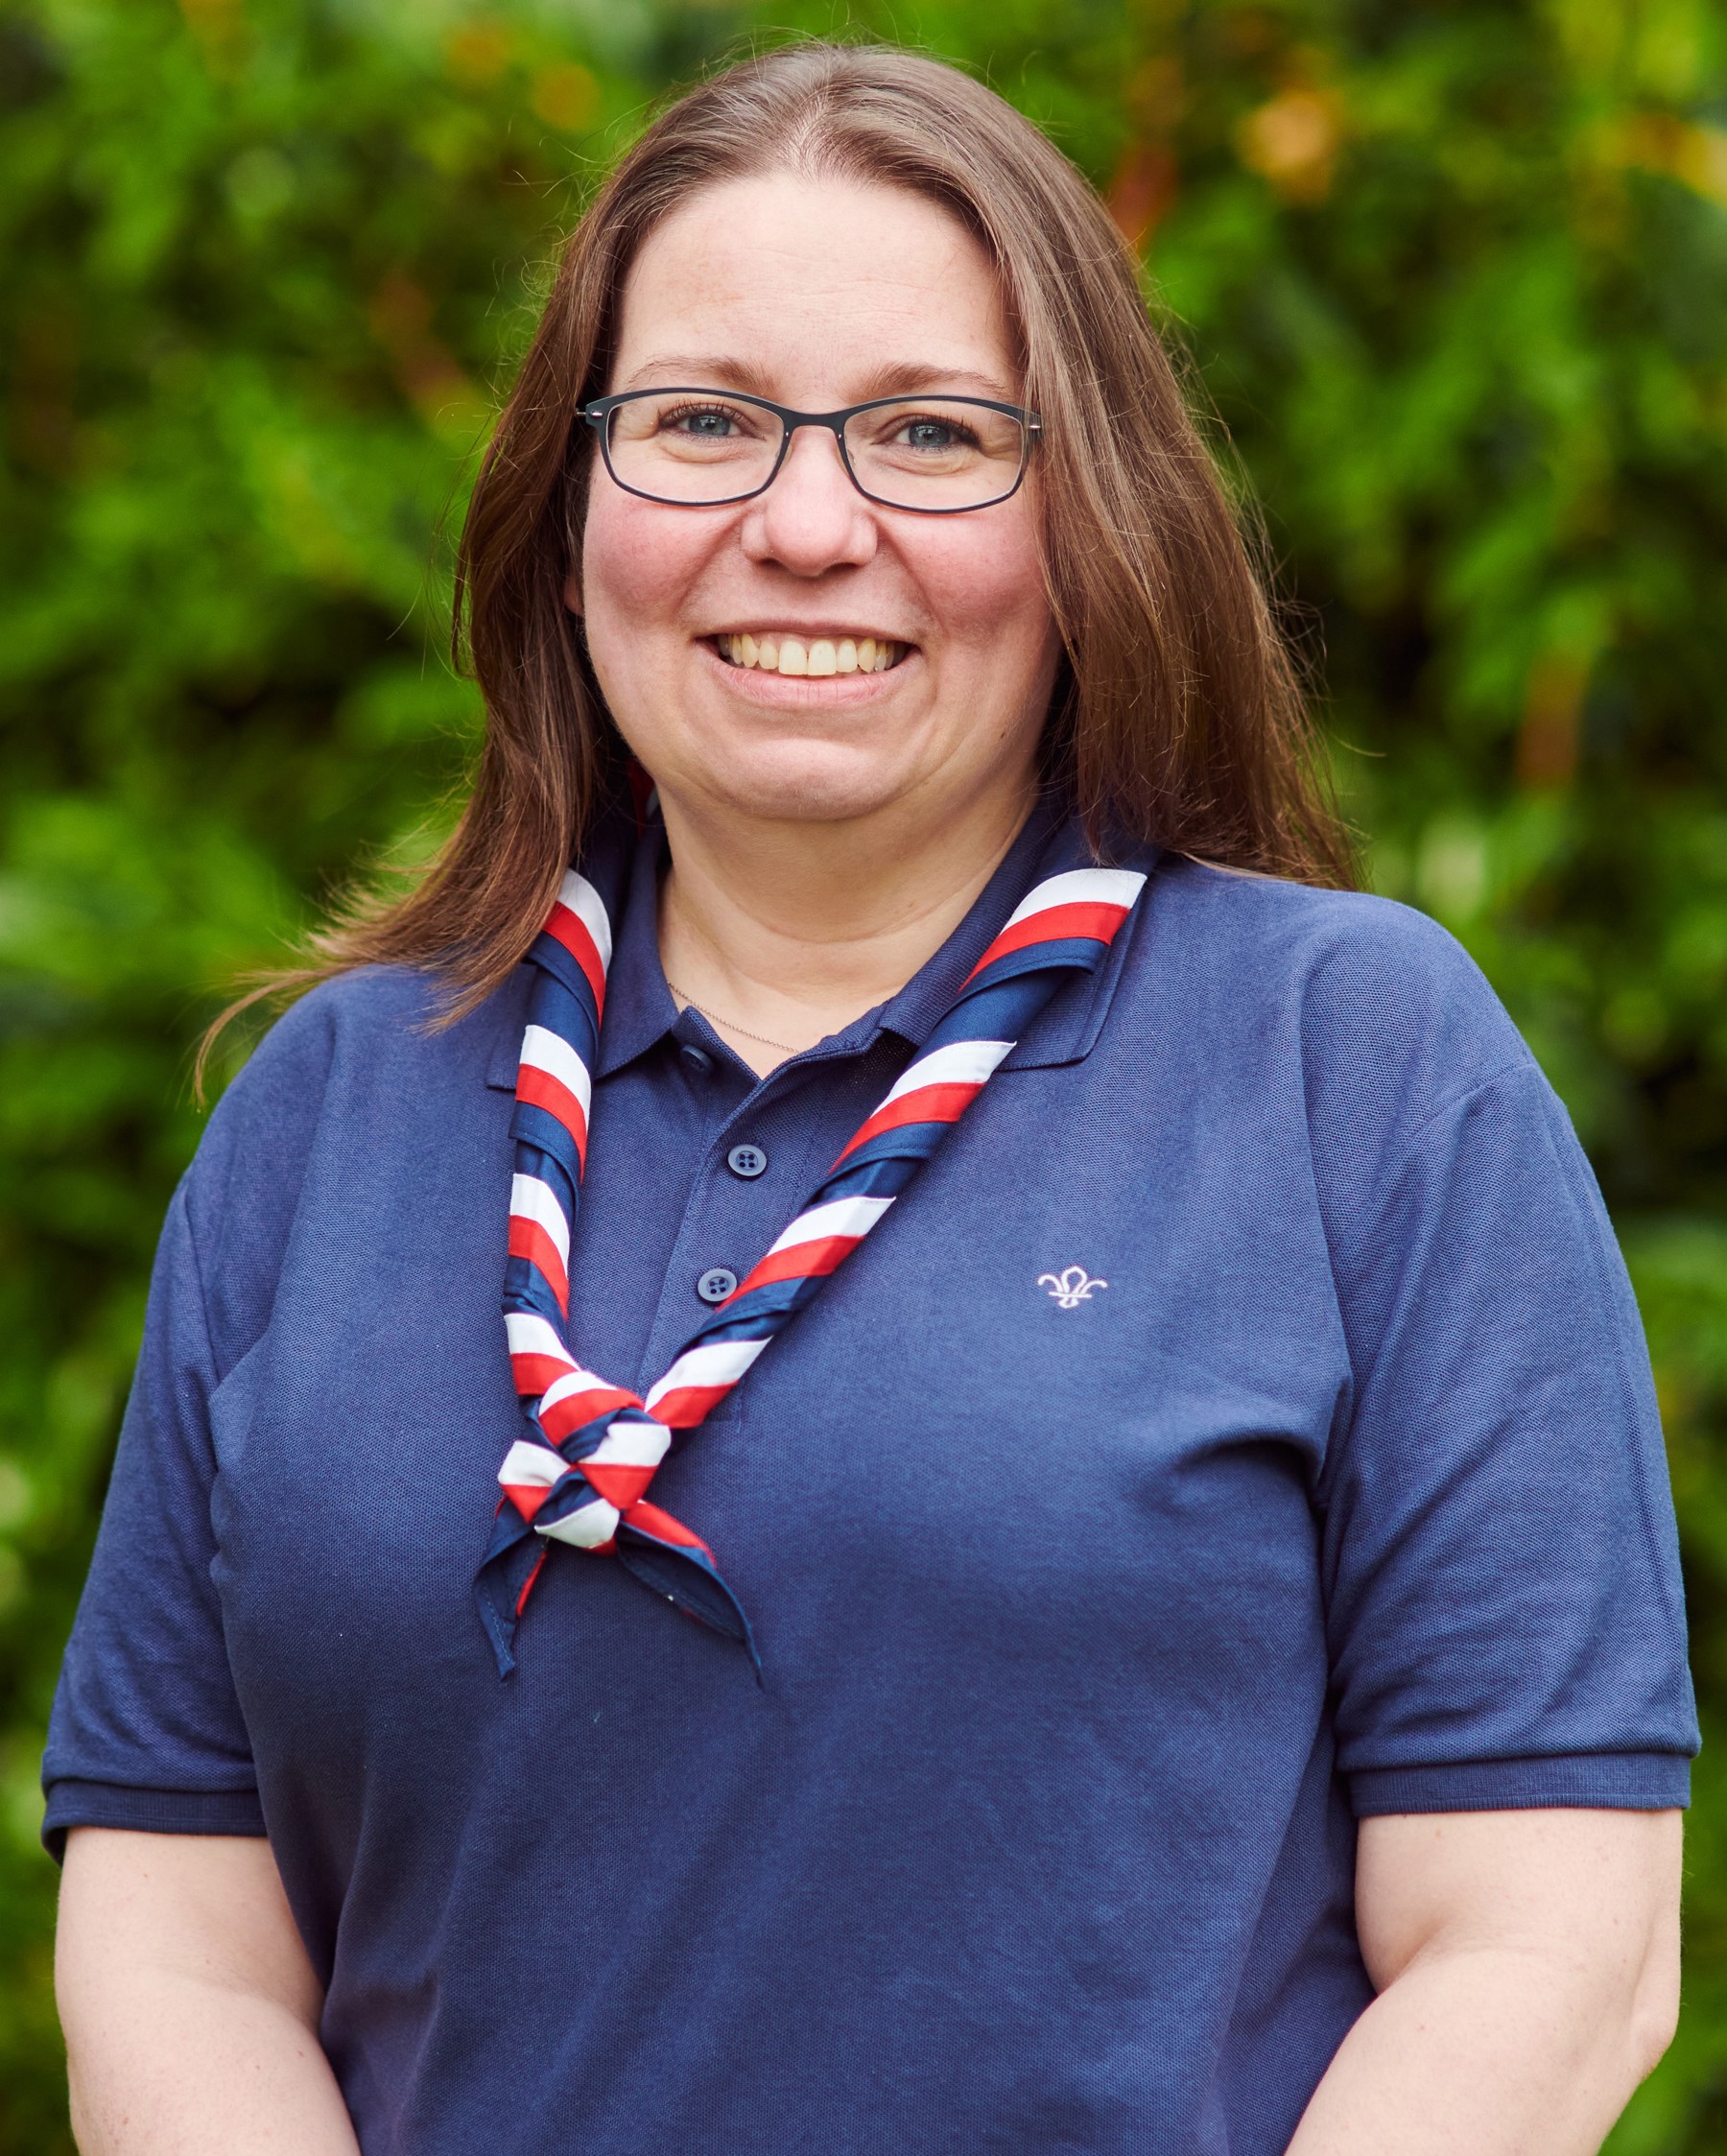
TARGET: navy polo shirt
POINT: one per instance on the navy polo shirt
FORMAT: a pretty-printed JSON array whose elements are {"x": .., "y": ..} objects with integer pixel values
[{"x": 1242, "y": 1426}]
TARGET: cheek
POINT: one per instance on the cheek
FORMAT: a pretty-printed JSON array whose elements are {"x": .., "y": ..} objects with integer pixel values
[
  {"x": 986, "y": 581},
  {"x": 637, "y": 563}
]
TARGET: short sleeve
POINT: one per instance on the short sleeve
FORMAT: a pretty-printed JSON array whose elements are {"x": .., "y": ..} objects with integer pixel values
[
  {"x": 147, "y": 1731},
  {"x": 1500, "y": 1563}
]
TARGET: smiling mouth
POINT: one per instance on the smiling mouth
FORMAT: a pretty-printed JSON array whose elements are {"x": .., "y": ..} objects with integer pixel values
[{"x": 819, "y": 656}]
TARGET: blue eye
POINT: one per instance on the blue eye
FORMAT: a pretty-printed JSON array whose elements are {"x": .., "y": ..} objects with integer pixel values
[{"x": 934, "y": 434}]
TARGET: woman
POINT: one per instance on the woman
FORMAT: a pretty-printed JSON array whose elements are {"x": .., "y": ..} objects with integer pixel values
[{"x": 1187, "y": 1651}]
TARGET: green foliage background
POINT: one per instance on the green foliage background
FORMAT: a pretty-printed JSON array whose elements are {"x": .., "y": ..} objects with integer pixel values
[{"x": 1454, "y": 273}]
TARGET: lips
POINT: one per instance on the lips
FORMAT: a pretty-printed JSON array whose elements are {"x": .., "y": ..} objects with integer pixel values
[{"x": 814, "y": 656}]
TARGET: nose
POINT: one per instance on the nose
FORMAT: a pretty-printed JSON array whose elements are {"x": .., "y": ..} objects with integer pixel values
[{"x": 812, "y": 518}]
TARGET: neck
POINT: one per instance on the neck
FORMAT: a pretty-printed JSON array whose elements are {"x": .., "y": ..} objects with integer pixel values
[{"x": 794, "y": 930}]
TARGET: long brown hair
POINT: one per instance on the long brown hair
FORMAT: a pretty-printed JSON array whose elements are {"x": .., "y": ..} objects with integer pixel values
[{"x": 1179, "y": 715}]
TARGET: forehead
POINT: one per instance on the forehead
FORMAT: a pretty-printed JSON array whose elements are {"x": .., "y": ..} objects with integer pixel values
[{"x": 815, "y": 286}]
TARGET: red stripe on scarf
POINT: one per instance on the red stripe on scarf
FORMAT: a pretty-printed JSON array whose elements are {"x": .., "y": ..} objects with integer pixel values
[
  {"x": 665, "y": 1529},
  {"x": 620, "y": 1483},
  {"x": 542, "y": 1090},
  {"x": 802, "y": 1260},
  {"x": 529, "y": 1240},
  {"x": 576, "y": 1409},
  {"x": 929, "y": 1104},
  {"x": 571, "y": 931},
  {"x": 533, "y": 1373},
  {"x": 528, "y": 1498},
  {"x": 685, "y": 1406},
  {"x": 528, "y": 1583},
  {"x": 1056, "y": 924}
]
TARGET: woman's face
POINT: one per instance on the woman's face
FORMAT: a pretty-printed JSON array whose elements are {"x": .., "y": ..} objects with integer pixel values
[{"x": 818, "y": 295}]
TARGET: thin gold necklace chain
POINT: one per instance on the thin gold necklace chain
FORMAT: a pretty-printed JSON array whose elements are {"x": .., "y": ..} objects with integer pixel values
[{"x": 732, "y": 1025}]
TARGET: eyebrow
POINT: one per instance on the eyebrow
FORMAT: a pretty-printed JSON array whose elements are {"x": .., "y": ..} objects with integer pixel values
[{"x": 901, "y": 378}]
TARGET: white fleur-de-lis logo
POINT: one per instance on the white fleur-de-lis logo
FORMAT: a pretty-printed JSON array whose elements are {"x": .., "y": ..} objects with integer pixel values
[{"x": 1071, "y": 1287}]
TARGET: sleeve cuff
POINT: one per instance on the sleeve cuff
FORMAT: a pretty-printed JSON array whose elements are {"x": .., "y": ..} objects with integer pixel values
[
  {"x": 162, "y": 1812},
  {"x": 1591, "y": 1780}
]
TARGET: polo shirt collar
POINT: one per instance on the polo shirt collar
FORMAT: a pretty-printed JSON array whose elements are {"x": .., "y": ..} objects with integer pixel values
[{"x": 640, "y": 1011}]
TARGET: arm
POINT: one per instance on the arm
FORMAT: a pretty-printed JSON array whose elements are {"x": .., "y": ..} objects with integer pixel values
[
  {"x": 1528, "y": 1970},
  {"x": 189, "y": 2006}
]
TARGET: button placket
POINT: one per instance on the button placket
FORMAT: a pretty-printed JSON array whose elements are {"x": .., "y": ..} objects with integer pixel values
[{"x": 732, "y": 1217}]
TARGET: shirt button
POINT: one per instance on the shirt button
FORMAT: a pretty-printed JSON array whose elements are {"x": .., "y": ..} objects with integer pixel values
[
  {"x": 698, "y": 1058},
  {"x": 716, "y": 1283},
  {"x": 748, "y": 1161}
]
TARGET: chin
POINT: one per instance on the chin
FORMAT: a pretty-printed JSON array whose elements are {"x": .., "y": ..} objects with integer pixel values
[{"x": 786, "y": 788}]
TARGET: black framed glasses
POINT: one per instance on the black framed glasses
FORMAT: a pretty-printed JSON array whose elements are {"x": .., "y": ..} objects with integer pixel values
[{"x": 706, "y": 448}]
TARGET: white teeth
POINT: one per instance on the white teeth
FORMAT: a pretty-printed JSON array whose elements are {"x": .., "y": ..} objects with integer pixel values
[{"x": 822, "y": 656}]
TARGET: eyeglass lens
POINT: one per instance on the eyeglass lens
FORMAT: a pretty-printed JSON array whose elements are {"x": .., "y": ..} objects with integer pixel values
[{"x": 924, "y": 453}]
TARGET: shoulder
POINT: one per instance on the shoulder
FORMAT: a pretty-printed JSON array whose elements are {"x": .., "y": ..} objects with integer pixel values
[
  {"x": 1370, "y": 997},
  {"x": 369, "y": 1004},
  {"x": 343, "y": 1023},
  {"x": 345, "y": 1092},
  {"x": 1358, "y": 1042}
]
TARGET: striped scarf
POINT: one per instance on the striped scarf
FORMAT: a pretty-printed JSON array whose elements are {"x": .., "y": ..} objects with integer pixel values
[{"x": 582, "y": 1474}]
